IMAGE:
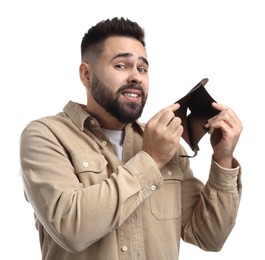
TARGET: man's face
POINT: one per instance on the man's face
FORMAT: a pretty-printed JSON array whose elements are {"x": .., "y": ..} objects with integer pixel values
[{"x": 120, "y": 78}]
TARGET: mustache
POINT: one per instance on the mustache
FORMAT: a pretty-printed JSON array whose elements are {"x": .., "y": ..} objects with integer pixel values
[{"x": 131, "y": 86}]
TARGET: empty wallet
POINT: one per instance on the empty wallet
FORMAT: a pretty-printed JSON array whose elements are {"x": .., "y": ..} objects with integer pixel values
[{"x": 195, "y": 109}]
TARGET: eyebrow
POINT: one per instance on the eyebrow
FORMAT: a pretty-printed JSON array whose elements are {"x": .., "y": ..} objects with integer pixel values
[{"x": 128, "y": 54}]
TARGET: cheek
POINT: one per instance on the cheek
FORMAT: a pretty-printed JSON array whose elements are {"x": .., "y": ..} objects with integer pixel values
[
  {"x": 115, "y": 79},
  {"x": 146, "y": 86}
]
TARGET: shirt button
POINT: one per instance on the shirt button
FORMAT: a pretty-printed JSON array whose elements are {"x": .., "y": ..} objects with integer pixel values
[
  {"x": 169, "y": 173},
  {"x": 85, "y": 164},
  {"x": 124, "y": 248},
  {"x": 104, "y": 143},
  {"x": 92, "y": 122},
  {"x": 153, "y": 187}
]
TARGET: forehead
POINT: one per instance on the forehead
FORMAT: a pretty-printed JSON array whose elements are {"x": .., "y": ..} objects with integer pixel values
[{"x": 120, "y": 44}]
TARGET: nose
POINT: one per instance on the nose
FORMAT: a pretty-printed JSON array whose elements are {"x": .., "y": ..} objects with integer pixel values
[{"x": 135, "y": 77}]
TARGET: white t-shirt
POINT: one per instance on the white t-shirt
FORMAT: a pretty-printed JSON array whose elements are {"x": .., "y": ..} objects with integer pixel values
[{"x": 116, "y": 138}]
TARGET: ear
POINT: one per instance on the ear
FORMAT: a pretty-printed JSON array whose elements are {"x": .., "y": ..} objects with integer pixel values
[{"x": 84, "y": 73}]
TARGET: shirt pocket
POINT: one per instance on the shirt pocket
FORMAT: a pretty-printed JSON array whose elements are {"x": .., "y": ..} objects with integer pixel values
[
  {"x": 90, "y": 169},
  {"x": 166, "y": 201}
]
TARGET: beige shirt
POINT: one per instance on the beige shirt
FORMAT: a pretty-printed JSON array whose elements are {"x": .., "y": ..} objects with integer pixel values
[{"x": 89, "y": 205}]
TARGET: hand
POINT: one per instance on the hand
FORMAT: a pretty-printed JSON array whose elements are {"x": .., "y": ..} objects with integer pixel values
[
  {"x": 162, "y": 134},
  {"x": 225, "y": 129}
]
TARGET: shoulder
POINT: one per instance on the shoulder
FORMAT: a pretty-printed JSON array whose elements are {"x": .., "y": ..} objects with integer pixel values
[{"x": 46, "y": 124}]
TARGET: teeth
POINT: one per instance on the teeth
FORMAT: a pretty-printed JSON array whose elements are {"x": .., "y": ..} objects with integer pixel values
[{"x": 131, "y": 95}]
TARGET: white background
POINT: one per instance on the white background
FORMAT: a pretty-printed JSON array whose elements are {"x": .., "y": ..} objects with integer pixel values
[{"x": 186, "y": 41}]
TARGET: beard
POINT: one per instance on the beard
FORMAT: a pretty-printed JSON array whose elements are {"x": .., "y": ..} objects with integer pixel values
[{"x": 125, "y": 112}]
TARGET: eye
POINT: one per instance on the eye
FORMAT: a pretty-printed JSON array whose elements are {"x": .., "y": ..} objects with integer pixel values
[
  {"x": 120, "y": 66},
  {"x": 142, "y": 69}
]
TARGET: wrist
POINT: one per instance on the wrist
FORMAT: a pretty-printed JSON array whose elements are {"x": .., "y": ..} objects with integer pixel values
[{"x": 224, "y": 162}]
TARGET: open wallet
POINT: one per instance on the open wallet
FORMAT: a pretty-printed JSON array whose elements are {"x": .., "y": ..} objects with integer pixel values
[{"x": 195, "y": 109}]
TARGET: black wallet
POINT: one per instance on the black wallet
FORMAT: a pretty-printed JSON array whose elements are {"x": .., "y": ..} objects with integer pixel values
[{"x": 198, "y": 103}]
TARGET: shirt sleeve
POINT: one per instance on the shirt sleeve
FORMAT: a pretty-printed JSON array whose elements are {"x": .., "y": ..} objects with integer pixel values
[
  {"x": 210, "y": 211},
  {"x": 76, "y": 216}
]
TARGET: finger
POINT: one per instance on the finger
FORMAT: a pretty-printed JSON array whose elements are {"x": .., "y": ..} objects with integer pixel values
[
  {"x": 218, "y": 106},
  {"x": 224, "y": 111},
  {"x": 165, "y": 115},
  {"x": 175, "y": 106},
  {"x": 219, "y": 125},
  {"x": 228, "y": 116},
  {"x": 171, "y": 108},
  {"x": 226, "y": 127},
  {"x": 174, "y": 124}
]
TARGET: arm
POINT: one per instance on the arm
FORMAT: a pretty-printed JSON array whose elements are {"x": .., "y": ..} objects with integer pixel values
[
  {"x": 77, "y": 216},
  {"x": 210, "y": 211}
]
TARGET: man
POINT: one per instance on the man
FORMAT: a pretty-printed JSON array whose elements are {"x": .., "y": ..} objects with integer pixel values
[{"x": 104, "y": 186}]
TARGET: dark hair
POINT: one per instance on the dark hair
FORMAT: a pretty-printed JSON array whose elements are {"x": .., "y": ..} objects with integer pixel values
[{"x": 96, "y": 35}]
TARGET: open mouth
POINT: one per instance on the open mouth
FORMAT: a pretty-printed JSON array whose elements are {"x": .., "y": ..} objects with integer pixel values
[{"x": 132, "y": 95}]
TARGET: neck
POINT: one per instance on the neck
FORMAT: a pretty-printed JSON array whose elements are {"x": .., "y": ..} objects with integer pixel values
[{"x": 105, "y": 119}]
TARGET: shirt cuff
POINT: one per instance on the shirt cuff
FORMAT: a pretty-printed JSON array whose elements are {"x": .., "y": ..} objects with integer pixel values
[
  {"x": 145, "y": 170},
  {"x": 224, "y": 179}
]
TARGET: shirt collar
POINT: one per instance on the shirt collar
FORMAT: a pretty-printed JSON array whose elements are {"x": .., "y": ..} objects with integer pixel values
[{"x": 78, "y": 114}]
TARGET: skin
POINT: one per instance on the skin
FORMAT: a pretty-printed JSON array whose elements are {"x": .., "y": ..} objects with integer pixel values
[
  {"x": 225, "y": 129},
  {"x": 123, "y": 61}
]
